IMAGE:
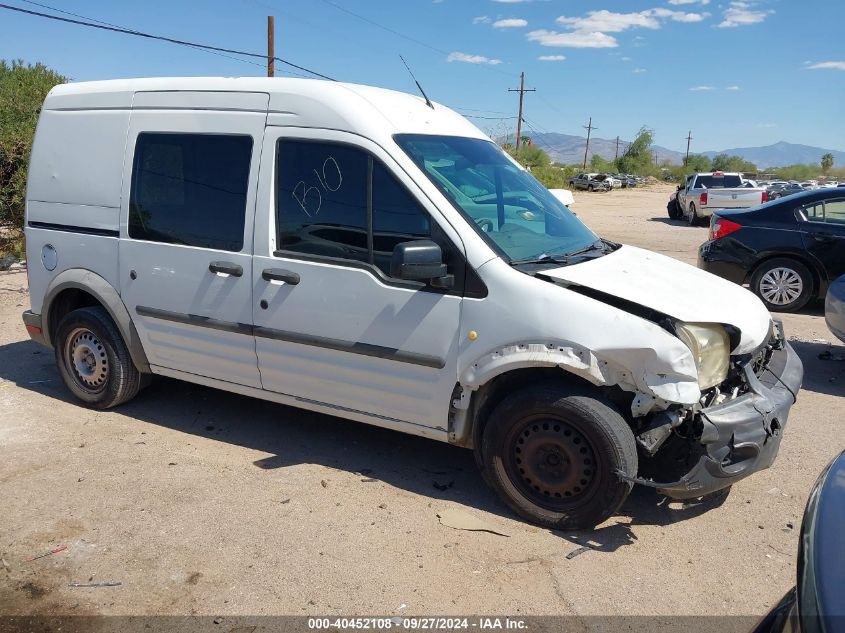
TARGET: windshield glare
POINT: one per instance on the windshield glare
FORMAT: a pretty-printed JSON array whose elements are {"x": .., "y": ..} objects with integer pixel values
[{"x": 517, "y": 215}]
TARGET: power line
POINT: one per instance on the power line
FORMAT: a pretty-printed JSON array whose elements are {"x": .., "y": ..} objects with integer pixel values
[
  {"x": 402, "y": 35},
  {"x": 161, "y": 38},
  {"x": 488, "y": 118},
  {"x": 76, "y": 15}
]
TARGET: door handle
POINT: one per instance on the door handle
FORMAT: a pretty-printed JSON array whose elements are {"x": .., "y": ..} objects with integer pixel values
[
  {"x": 824, "y": 237},
  {"x": 279, "y": 274},
  {"x": 226, "y": 267}
]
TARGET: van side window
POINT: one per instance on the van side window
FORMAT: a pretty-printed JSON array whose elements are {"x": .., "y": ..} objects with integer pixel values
[
  {"x": 190, "y": 189},
  {"x": 326, "y": 195},
  {"x": 397, "y": 217},
  {"x": 322, "y": 199}
]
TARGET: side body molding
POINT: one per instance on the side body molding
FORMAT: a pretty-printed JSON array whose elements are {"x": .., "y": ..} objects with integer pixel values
[{"x": 106, "y": 294}]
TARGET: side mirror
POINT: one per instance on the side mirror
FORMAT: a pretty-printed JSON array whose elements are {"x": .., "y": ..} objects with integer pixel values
[{"x": 420, "y": 260}]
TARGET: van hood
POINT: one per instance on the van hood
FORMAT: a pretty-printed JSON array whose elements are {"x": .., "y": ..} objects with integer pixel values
[{"x": 673, "y": 288}]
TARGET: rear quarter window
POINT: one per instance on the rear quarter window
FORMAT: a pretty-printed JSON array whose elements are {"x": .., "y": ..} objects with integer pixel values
[{"x": 190, "y": 189}]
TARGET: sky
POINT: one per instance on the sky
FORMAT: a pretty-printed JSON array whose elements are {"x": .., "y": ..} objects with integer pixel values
[{"x": 735, "y": 73}]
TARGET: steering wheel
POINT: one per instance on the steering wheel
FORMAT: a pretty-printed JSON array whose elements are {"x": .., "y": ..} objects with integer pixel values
[{"x": 486, "y": 224}]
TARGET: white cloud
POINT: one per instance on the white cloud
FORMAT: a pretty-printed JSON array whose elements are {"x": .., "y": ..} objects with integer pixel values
[
  {"x": 678, "y": 2},
  {"x": 481, "y": 19},
  {"x": 510, "y": 23},
  {"x": 577, "y": 39},
  {"x": 767, "y": 125},
  {"x": 551, "y": 58},
  {"x": 733, "y": 88},
  {"x": 609, "y": 22},
  {"x": 828, "y": 65},
  {"x": 626, "y": 59},
  {"x": 677, "y": 16},
  {"x": 701, "y": 88},
  {"x": 472, "y": 59},
  {"x": 591, "y": 30},
  {"x": 511, "y": 1},
  {"x": 638, "y": 71},
  {"x": 743, "y": 14}
]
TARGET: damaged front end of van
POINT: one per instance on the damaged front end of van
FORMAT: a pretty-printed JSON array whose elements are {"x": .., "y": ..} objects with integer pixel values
[{"x": 707, "y": 400}]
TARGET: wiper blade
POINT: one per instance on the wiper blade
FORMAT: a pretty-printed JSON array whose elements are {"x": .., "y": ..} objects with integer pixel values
[
  {"x": 599, "y": 245},
  {"x": 545, "y": 258}
]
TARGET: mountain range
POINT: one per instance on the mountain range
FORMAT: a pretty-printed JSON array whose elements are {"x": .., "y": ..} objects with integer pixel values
[{"x": 567, "y": 148}]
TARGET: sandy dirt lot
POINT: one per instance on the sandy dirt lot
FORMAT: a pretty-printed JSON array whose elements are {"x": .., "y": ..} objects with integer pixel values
[{"x": 202, "y": 502}]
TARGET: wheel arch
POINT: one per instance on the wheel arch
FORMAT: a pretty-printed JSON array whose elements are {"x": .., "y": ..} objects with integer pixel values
[
  {"x": 492, "y": 392},
  {"x": 77, "y": 288}
]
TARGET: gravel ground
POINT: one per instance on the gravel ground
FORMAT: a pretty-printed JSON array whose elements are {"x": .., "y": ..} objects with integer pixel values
[{"x": 203, "y": 502}]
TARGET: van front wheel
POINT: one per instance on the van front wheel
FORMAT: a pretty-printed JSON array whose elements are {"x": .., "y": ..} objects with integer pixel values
[
  {"x": 553, "y": 454},
  {"x": 93, "y": 360}
]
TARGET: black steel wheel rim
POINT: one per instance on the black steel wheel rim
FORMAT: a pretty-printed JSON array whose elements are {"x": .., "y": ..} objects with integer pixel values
[{"x": 551, "y": 462}]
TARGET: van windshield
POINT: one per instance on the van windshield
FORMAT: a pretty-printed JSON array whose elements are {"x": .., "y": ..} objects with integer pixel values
[{"x": 517, "y": 215}]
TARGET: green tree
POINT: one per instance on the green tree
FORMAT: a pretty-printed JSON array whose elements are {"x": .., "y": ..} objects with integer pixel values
[
  {"x": 599, "y": 164},
  {"x": 827, "y": 163},
  {"x": 796, "y": 172},
  {"x": 697, "y": 163},
  {"x": 638, "y": 158},
  {"x": 723, "y": 162},
  {"x": 23, "y": 88},
  {"x": 530, "y": 156}
]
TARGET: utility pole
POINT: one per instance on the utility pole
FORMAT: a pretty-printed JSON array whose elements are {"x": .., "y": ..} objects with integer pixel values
[
  {"x": 521, "y": 90},
  {"x": 689, "y": 138},
  {"x": 271, "y": 46},
  {"x": 589, "y": 127},
  {"x": 617, "y": 149}
]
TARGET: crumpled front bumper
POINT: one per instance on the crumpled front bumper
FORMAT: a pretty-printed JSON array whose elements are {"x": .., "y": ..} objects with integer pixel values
[{"x": 743, "y": 436}]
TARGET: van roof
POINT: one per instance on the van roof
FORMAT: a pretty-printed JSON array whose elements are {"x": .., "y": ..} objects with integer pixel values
[{"x": 296, "y": 102}]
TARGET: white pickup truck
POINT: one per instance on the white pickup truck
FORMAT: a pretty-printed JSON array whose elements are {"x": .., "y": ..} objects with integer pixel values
[{"x": 701, "y": 194}]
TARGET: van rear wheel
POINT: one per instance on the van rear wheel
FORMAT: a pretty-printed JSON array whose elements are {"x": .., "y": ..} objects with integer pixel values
[
  {"x": 93, "y": 360},
  {"x": 553, "y": 452}
]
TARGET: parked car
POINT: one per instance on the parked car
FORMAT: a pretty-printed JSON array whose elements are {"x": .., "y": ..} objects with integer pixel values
[
  {"x": 590, "y": 182},
  {"x": 788, "y": 251},
  {"x": 816, "y": 604},
  {"x": 779, "y": 191},
  {"x": 365, "y": 254},
  {"x": 834, "y": 308},
  {"x": 702, "y": 194},
  {"x": 615, "y": 182},
  {"x": 626, "y": 180}
]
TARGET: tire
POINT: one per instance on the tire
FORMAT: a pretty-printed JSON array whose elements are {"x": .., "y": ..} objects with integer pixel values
[
  {"x": 793, "y": 278},
  {"x": 674, "y": 210},
  {"x": 93, "y": 360},
  {"x": 590, "y": 188},
  {"x": 693, "y": 216},
  {"x": 531, "y": 442}
]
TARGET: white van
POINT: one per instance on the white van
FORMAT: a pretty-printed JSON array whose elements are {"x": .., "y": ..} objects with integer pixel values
[{"x": 358, "y": 252}]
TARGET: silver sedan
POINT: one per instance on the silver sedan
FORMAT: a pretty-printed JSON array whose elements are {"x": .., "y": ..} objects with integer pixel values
[{"x": 834, "y": 308}]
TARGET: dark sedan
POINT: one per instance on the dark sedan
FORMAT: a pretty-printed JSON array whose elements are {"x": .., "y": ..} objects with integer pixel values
[
  {"x": 817, "y": 603},
  {"x": 779, "y": 191},
  {"x": 788, "y": 250}
]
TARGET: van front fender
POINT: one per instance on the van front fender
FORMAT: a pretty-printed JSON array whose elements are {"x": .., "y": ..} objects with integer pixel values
[
  {"x": 107, "y": 296},
  {"x": 653, "y": 379}
]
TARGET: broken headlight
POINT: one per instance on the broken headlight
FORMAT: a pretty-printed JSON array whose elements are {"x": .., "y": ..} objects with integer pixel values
[{"x": 711, "y": 349}]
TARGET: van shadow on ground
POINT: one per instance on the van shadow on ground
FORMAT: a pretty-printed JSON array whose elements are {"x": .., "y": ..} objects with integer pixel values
[
  {"x": 294, "y": 436},
  {"x": 820, "y": 375}
]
